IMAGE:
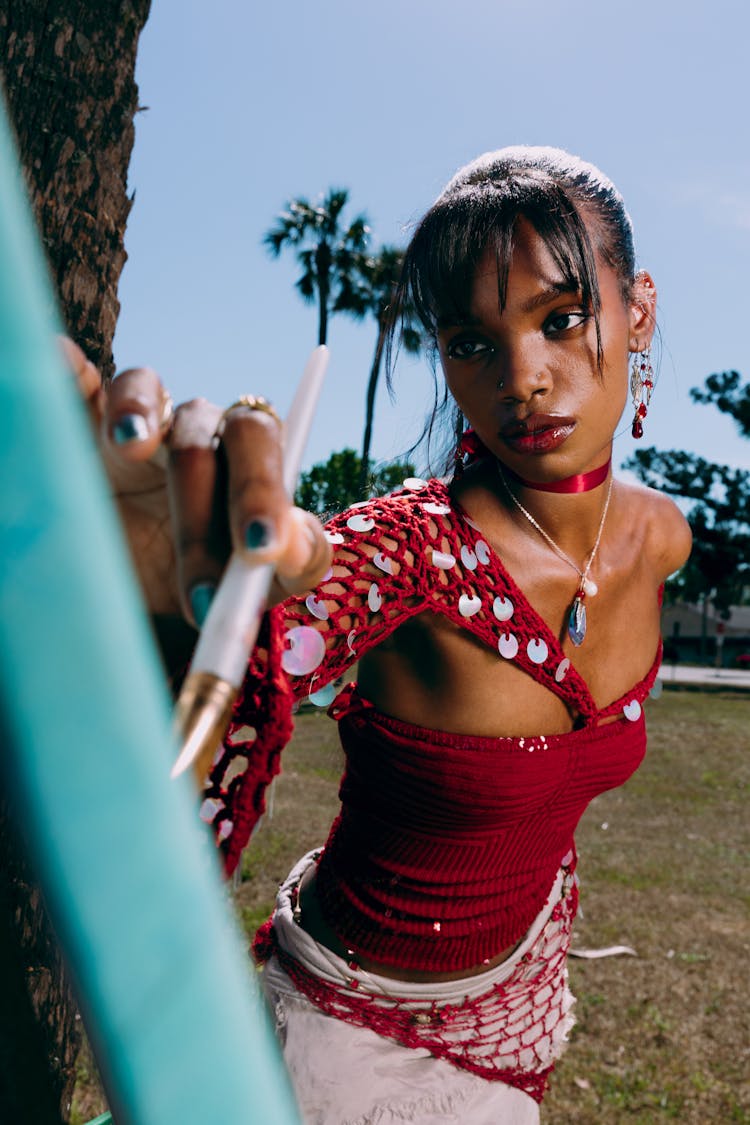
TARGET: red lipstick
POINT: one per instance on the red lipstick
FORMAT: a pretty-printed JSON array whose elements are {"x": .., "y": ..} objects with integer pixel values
[{"x": 539, "y": 433}]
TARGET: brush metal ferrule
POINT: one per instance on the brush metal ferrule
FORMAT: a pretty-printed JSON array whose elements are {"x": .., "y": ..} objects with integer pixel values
[{"x": 201, "y": 718}]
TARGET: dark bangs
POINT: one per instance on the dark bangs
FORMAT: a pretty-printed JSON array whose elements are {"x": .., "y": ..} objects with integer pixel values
[{"x": 443, "y": 256}]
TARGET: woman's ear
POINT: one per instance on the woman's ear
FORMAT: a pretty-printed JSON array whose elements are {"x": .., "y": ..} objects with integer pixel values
[{"x": 642, "y": 311}]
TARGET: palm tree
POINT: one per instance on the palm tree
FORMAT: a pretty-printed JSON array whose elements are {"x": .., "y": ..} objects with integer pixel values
[
  {"x": 381, "y": 273},
  {"x": 328, "y": 252}
]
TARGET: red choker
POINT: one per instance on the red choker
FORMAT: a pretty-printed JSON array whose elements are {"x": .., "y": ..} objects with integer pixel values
[{"x": 581, "y": 482}]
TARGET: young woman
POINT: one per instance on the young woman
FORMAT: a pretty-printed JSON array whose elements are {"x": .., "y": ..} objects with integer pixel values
[{"x": 505, "y": 621}]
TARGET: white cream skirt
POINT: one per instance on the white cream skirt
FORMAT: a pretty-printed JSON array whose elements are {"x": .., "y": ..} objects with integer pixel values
[{"x": 515, "y": 1016}]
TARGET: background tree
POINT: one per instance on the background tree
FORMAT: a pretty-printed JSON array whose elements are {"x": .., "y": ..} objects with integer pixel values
[
  {"x": 333, "y": 485},
  {"x": 726, "y": 392},
  {"x": 328, "y": 251},
  {"x": 68, "y": 71},
  {"x": 718, "y": 499},
  {"x": 380, "y": 274}
]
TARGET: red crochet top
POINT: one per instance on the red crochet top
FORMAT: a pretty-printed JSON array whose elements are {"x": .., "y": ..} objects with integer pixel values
[{"x": 446, "y": 845}]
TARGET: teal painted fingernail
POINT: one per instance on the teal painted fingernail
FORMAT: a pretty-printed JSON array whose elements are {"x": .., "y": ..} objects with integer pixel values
[
  {"x": 258, "y": 534},
  {"x": 201, "y": 596},
  {"x": 131, "y": 427}
]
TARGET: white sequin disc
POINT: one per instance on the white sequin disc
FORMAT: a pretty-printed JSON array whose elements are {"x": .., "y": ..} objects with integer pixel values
[
  {"x": 334, "y": 537},
  {"x": 632, "y": 710},
  {"x": 306, "y": 650},
  {"x": 537, "y": 651},
  {"x": 415, "y": 484},
  {"x": 324, "y": 697},
  {"x": 468, "y": 558},
  {"x": 360, "y": 523},
  {"x": 507, "y": 646},
  {"x": 467, "y": 606},
  {"x": 443, "y": 560},
  {"x": 562, "y": 670},
  {"x": 382, "y": 562},
  {"x": 502, "y": 609},
  {"x": 482, "y": 551},
  {"x": 317, "y": 609},
  {"x": 436, "y": 509},
  {"x": 374, "y": 599}
]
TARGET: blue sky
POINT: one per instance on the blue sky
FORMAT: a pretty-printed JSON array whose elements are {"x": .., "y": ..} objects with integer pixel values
[{"x": 251, "y": 104}]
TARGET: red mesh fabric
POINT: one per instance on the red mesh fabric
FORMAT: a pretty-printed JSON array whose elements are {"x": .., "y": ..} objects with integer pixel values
[
  {"x": 410, "y": 553},
  {"x": 234, "y": 796},
  {"x": 512, "y": 1032}
]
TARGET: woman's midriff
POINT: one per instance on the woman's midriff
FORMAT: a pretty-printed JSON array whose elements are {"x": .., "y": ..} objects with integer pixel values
[{"x": 312, "y": 921}]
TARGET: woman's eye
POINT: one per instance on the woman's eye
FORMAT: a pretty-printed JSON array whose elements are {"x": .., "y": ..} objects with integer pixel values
[
  {"x": 565, "y": 321},
  {"x": 466, "y": 349}
]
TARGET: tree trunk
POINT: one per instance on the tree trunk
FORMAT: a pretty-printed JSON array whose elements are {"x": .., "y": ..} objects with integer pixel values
[
  {"x": 68, "y": 69},
  {"x": 372, "y": 387},
  {"x": 323, "y": 271},
  {"x": 35, "y": 1073}
]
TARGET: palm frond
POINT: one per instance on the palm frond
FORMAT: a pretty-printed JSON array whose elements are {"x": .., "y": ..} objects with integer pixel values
[
  {"x": 333, "y": 203},
  {"x": 412, "y": 341},
  {"x": 305, "y": 286},
  {"x": 351, "y": 296}
]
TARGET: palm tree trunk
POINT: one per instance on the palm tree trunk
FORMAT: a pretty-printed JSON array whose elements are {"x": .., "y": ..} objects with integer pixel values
[
  {"x": 68, "y": 69},
  {"x": 372, "y": 386},
  {"x": 35, "y": 1073},
  {"x": 323, "y": 271}
]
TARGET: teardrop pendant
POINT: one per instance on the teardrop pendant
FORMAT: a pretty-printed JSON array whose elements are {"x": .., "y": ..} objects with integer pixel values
[{"x": 577, "y": 620}]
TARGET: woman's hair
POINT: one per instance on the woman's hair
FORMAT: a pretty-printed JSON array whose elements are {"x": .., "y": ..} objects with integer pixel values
[{"x": 479, "y": 208}]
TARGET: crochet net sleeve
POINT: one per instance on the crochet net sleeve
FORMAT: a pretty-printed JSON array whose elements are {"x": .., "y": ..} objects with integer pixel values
[{"x": 375, "y": 582}]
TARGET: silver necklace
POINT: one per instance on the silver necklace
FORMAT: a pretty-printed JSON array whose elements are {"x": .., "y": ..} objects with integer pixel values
[{"x": 586, "y": 585}]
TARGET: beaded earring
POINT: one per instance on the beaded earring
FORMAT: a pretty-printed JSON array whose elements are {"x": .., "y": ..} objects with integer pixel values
[{"x": 641, "y": 386}]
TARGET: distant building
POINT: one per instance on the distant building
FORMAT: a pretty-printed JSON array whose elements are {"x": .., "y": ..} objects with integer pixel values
[{"x": 694, "y": 637}]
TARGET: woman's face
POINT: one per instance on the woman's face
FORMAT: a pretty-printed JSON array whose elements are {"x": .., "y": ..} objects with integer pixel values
[{"x": 526, "y": 378}]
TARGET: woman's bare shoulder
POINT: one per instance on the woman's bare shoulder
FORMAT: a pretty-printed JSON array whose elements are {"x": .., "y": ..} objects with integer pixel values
[{"x": 667, "y": 535}]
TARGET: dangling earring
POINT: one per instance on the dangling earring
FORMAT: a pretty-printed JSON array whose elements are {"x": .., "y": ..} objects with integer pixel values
[
  {"x": 468, "y": 448},
  {"x": 641, "y": 386}
]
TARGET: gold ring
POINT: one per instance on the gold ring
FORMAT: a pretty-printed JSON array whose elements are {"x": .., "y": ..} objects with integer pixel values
[{"x": 250, "y": 402}]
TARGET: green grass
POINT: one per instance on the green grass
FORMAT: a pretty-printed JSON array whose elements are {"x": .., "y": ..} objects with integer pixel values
[{"x": 662, "y": 1036}]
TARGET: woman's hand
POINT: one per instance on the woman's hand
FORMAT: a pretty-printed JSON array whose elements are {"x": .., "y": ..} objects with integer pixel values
[{"x": 186, "y": 501}]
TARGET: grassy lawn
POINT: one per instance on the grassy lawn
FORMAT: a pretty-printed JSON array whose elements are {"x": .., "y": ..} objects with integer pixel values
[{"x": 662, "y": 1036}]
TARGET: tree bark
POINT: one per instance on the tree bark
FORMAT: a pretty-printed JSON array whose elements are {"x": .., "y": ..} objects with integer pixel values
[
  {"x": 372, "y": 386},
  {"x": 39, "y": 1032},
  {"x": 68, "y": 68},
  {"x": 323, "y": 271}
]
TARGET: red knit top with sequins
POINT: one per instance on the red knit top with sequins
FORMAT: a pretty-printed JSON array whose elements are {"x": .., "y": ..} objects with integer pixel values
[{"x": 446, "y": 845}]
